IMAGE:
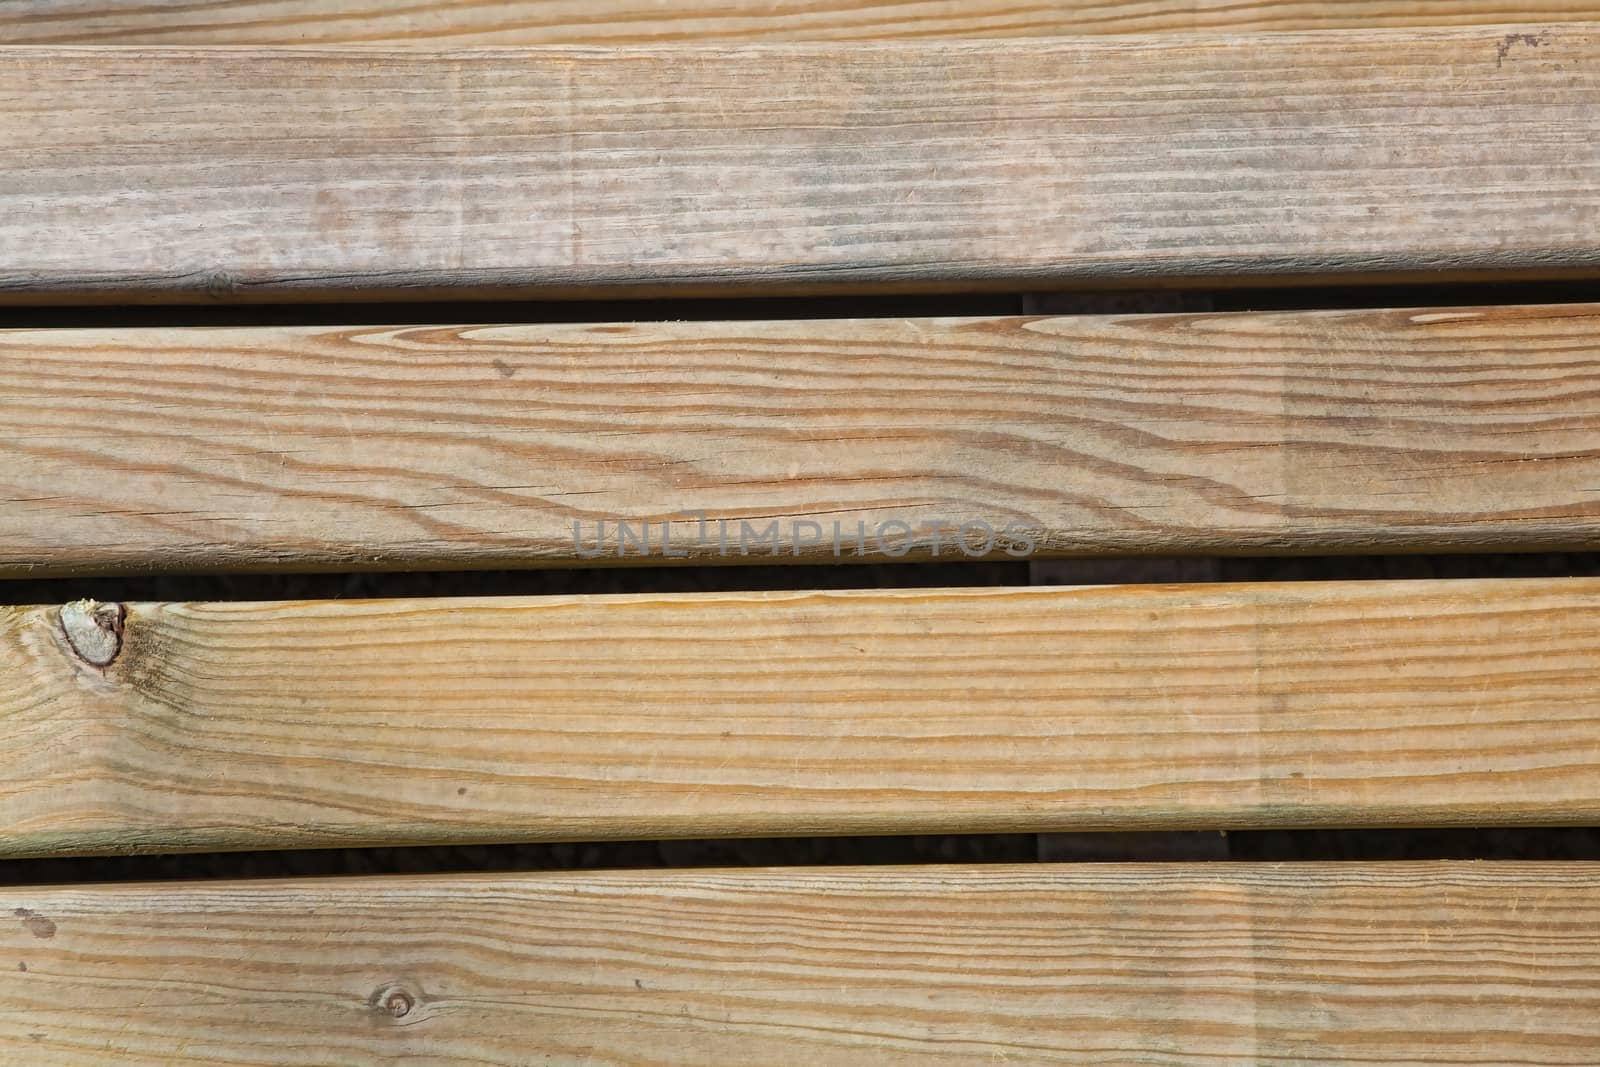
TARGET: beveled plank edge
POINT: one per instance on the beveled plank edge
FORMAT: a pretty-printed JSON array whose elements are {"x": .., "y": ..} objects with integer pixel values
[
  {"x": 622, "y": 22},
  {"x": 67, "y": 844},
  {"x": 230, "y": 288}
]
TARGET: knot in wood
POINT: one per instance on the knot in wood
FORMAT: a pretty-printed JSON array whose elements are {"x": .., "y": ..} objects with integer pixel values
[
  {"x": 93, "y": 630},
  {"x": 394, "y": 1001}
]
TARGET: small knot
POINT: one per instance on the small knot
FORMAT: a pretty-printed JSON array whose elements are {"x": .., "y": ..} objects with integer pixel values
[
  {"x": 394, "y": 1001},
  {"x": 94, "y": 630},
  {"x": 220, "y": 285}
]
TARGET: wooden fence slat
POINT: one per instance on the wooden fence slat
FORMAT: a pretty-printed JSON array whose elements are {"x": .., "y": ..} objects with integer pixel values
[
  {"x": 1215, "y": 964},
  {"x": 632, "y": 22},
  {"x": 236, "y": 726},
  {"x": 139, "y": 450},
  {"x": 271, "y": 174}
]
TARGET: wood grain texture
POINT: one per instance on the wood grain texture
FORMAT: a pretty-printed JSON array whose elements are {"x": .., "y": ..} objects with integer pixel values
[
  {"x": 222, "y": 726},
  {"x": 242, "y": 174},
  {"x": 1170, "y": 965},
  {"x": 375, "y": 447},
  {"x": 632, "y": 22}
]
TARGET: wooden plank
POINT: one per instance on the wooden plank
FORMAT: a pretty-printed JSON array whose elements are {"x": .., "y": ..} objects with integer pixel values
[
  {"x": 372, "y": 447},
  {"x": 320, "y": 173},
  {"x": 151, "y": 727},
  {"x": 1442, "y": 963},
  {"x": 632, "y": 22}
]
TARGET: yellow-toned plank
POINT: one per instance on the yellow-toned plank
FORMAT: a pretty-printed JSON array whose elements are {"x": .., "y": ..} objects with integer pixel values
[
  {"x": 217, "y": 726},
  {"x": 631, "y": 22},
  {"x": 269, "y": 174},
  {"x": 174, "y": 449},
  {"x": 1217, "y": 964}
]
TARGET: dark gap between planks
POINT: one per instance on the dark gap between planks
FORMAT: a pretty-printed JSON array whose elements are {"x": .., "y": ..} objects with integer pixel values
[
  {"x": 1301, "y": 298},
  {"x": 1554, "y": 843},
  {"x": 746, "y": 578}
]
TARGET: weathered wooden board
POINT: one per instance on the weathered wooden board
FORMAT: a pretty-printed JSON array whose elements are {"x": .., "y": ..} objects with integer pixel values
[
  {"x": 244, "y": 174},
  {"x": 631, "y": 22},
  {"x": 222, "y": 726},
  {"x": 1177, "y": 965},
  {"x": 373, "y": 447}
]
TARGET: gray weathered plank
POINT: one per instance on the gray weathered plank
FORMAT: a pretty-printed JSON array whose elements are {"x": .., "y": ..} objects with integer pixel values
[{"x": 274, "y": 174}]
